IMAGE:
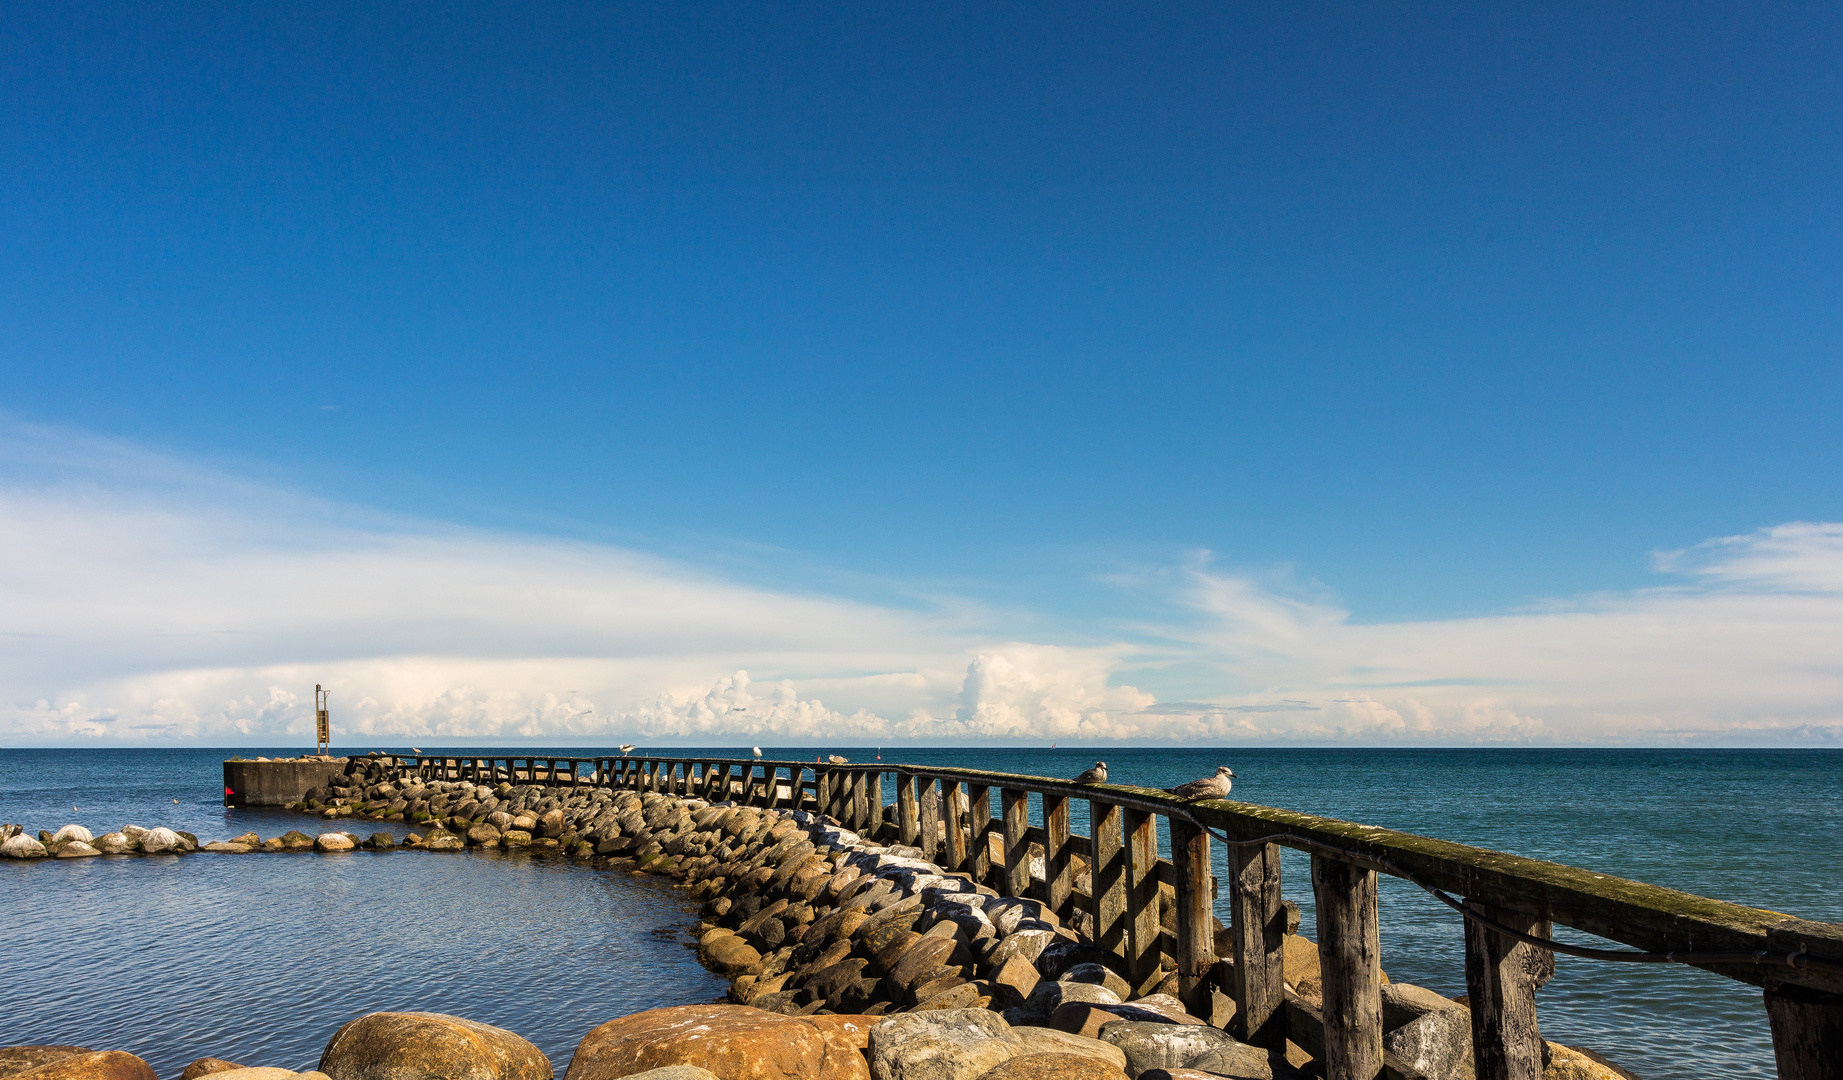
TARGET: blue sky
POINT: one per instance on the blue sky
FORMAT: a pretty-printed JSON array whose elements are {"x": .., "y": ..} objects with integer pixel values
[{"x": 1028, "y": 327}]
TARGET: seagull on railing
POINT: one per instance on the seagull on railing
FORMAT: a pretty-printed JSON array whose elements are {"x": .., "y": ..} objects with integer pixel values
[
  {"x": 415, "y": 749},
  {"x": 1210, "y": 787},
  {"x": 837, "y": 760},
  {"x": 757, "y": 749},
  {"x": 1096, "y": 775},
  {"x": 627, "y": 748}
]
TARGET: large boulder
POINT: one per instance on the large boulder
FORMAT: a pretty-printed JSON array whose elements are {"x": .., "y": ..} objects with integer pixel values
[
  {"x": 429, "y": 1046},
  {"x": 114, "y": 843},
  {"x": 1150, "y": 1045},
  {"x": 90, "y": 1065},
  {"x": 736, "y": 1042},
  {"x": 1041, "y": 1040},
  {"x": 1569, "y": 1063},
  {"x": 722, "y": 950},
  {"x": 333, "y": 841},
  {"x": 22, "y": 847},
  {"x": 1428, "y": 1033},
  {"x": 1239, "y": 1061},
  {"x": 18, "y": 1059},
  {"x": 161, "y": 841},
  {"x": 76, "y": 849},
  {"x": 73, "y": 832},
  {"x": 942, "y": 1044}
]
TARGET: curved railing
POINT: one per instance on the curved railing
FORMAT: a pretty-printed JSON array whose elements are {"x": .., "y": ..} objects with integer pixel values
[{"x": 1510, "y": 902}]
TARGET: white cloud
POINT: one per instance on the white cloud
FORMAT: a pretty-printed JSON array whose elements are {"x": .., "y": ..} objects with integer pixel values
[{"x": 146, "y": 600}]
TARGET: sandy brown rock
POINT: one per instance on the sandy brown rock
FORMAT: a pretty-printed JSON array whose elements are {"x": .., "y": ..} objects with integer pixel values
[
  {"x": 18, "y": 1059},
  {"x": 734, "y": 1041},
  {"x": 1567, "y": 1063},
  {"x": 94, "y": 1065},
  {"x": 1039, "y": 1040},
  {"x": 205, "y": 1066},
  {"x": 427, "y": 1046},
  {"x": 1053, "y": 1067}
]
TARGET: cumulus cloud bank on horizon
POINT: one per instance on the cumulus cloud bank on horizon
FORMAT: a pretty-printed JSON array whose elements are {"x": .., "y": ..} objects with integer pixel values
[{"x": 145, "y": 601}]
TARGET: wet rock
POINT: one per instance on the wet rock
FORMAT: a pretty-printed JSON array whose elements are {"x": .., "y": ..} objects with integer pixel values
[
  {"x": 73, "y": 832},
  {"x": 946, "y": 1044},
  {"x": 482, "y": 836},
  {"x": 1163, "y": 1046},
  {"x": 92, "y": 1065},
  {"x": 381, "y": 841},
  {"x": 294, "y": 840},
  {"x": 205, "y": 1066},
  {"x": 421, "y": 1046},
  {"x": 18, "y": 1059},
  {"x": 1053, "y": 1067},
  {"x": 23, "y": 847},
  {"x": 333, "y": 841},
  {"x": 226, "y": 847},
  {"x": 113, "y": 843},
  {"x": 442, "y": 840},
  {"x": 76, "y": 849},
  {"x": 1569, "y": 1063},
  {"x": 249, "y": 838},
  {"x": 515, "y": 838},
  {"x": 736, "y": 1042}
]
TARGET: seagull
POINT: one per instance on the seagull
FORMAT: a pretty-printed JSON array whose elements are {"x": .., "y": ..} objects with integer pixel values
[
  {"x": 627, "y": 748},
  {"x": 1096, "y": 775},
  {"x": 415, "y": 749},
  {"x": 1210, "y": 787},
  {"x": 837, "y": 760},
  {"x": 757, "y": 749},
  {"x": 175, "y": 800}
]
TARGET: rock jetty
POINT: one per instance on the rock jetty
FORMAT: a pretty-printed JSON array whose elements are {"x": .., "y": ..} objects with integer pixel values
[{"x": 848, "y": 957}]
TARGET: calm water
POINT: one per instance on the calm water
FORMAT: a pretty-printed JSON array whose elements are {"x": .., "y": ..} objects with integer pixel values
[{"x": 261, "y": 959}]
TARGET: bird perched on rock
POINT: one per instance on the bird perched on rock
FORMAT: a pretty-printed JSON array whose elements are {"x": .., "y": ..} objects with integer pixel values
[
  {"x": 1096, "y": 775},
  {"x": 1210, "y": 787}
]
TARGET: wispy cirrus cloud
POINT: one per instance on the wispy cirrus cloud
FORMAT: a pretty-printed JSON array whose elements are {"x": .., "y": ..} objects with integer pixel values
[{"x": 147, "y": 599}]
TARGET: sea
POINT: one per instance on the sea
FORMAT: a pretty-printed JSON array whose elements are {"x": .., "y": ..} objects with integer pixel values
[{"x": 260, "y": 959}]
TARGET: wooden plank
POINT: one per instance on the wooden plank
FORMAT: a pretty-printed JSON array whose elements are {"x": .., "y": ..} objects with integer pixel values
[
  {"x": 1056, "y": 869},
  {"x": 928, "y": 824},
  {"x": 908, "y": 827},
  {"x": 953, "y": 816},
  {"x": 1350, "y": 968},
  {"x": 1196, "y": 932},
  {"x": 876, "y": 805},
  {"x": 860, "y": 806},
  {"x": 979, "y": 831},
  {"x": 1142, "y": 926},
  {"x": 1107, "y": 877},
  {"x": 1807, "y": 1033},
  {"x": 1502, "y": 976},
  {"x": 1257, "y": 926},
  {"x": 1016, "y": 806}
]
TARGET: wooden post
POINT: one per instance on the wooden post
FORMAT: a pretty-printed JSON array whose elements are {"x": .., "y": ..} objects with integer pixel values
[
  {"x": 1502, "y": 976},
  {"x": 908, "y": 829},
  {"x": 860, "y": 802},
  {"x": 979, "y": 828},
  {"x": 1107, "y": 877},
  {"x": 1142, "y": 926},
  {"x": 1350, "y": 966},
  {"x": 1807, "y": 1032},
  {"x": 1257, "y": 925},
  {"x": 876, "y": 805},
  {"x": 1056, "y": 883},
  {"x": 953, "y": 815},
  {"x": 929, "y": 798},
  {"x": 1017, "y": 841},
  {"x": 1196, "y": 933}
]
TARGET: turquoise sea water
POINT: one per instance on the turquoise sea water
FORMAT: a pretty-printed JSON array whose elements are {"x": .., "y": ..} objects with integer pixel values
[{"x": 260, "y": 959}]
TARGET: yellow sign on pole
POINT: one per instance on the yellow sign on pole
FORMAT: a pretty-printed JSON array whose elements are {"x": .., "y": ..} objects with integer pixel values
[{"x": 323, "y": 732}]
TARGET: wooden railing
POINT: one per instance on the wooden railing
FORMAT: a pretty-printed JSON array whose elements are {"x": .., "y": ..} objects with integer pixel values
[{"x": 1511, "y": 903}]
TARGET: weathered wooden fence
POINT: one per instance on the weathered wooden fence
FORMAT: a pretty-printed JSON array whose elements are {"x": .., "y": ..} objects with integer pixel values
[{"x": 1511, "y": 902}]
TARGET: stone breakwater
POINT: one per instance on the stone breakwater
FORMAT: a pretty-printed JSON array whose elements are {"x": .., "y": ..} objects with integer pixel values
[{"x": 847, "y": 958}]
